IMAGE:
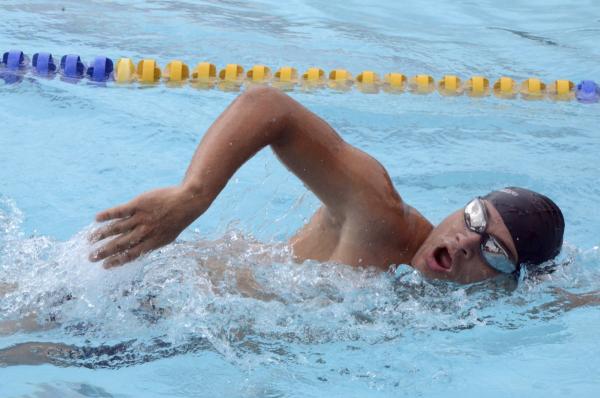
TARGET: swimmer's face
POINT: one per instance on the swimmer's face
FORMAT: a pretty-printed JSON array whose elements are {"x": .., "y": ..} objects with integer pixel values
[{"x": 452, "y": 251}]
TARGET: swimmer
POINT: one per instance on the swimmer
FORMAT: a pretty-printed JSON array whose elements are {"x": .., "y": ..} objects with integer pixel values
[{"x": 363, "y": 221}]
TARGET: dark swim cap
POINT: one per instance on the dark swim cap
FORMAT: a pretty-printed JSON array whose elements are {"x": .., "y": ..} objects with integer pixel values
[{"x": 535, "y": 223}]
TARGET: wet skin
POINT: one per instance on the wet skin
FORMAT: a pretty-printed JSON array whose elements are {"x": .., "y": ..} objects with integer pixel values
[
  {"x": 452, "y": 251},
  {"x": 363, "y": 220}
]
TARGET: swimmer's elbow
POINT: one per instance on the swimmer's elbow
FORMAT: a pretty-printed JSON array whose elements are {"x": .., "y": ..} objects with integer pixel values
[
  {"x": 270, "y": 106},
  {"x": 260, "y": 92},
  {"x": 268, "y": 100}
]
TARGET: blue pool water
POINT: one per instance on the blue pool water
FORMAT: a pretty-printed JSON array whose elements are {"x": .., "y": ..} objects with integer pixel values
[{"x": 173, "y": 325}]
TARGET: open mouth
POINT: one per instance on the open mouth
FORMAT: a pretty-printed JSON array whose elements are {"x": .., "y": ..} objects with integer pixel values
[{"x": 440, "y": 260}]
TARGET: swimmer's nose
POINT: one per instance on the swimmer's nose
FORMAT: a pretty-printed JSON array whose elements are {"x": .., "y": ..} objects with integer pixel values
[{"x": 467, "y": 244}]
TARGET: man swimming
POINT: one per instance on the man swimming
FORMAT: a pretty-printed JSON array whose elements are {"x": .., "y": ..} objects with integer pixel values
[{"x": 363, "y": 220}]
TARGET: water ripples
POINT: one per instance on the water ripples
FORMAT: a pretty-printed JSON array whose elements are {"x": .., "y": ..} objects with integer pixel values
[{"x": 245, "y": 300}]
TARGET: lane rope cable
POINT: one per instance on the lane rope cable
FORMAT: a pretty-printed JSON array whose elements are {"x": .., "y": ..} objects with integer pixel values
[{"x": 15, "y": 65}]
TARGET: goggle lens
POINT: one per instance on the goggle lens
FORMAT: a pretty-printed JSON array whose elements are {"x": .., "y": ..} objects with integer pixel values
[
  {"x": 475, "y": 216},
  {"x": 496, "y": 256},
  {"x": 493, "y": 251}
]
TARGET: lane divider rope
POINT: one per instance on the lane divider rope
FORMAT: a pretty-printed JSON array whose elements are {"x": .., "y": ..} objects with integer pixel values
[{"x": 205, "y": 75}]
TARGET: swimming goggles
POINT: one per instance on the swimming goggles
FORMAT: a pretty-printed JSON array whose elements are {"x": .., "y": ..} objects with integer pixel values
[{"x": 495, "y": 254}]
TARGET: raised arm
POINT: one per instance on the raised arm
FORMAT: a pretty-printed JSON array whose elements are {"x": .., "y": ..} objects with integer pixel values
[{"x": 344, "y": 178}]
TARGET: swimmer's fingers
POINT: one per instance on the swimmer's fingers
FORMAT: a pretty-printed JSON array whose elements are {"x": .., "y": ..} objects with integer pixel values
[
  {"x": 127, "y": 255},
  {"x": 121, "y": 211},
  {"x": 118, "y": 245},
  {"x": 115, "y": 228}
]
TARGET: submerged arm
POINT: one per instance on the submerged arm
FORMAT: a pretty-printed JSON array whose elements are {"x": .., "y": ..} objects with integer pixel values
[{"x": 345, "y": 179}]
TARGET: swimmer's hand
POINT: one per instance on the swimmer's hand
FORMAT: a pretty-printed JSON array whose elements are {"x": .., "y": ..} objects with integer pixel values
[
  {"x": 567, "y": 301},
  {"x": 148, "y": 222}
]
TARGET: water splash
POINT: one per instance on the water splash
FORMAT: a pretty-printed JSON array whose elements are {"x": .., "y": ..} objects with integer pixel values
[{"x": 246, "y": 300}]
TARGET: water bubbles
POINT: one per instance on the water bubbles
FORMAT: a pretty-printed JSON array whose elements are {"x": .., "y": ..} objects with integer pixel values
[
  {"x": 246, "y": 300},
  {"x": 11, "y": 219}
]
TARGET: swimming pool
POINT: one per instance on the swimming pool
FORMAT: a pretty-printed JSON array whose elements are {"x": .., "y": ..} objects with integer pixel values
[{"x": 165, "y": 326}]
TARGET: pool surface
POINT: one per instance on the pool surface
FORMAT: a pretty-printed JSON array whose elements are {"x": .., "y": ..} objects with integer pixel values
[{"x": 175, "y": 323}]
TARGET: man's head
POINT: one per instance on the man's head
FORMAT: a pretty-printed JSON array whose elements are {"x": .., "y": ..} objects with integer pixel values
[{"x": 493, "y": 234}]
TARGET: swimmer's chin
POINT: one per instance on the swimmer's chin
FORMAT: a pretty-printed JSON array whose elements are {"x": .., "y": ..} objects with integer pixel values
[
  {"x": 428, "y": 267},
  {"x": 428, "y": 273}
]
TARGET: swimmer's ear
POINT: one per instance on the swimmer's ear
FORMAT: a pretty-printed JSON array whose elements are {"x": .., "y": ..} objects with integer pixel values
[{"x": 121, "y": 211}]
